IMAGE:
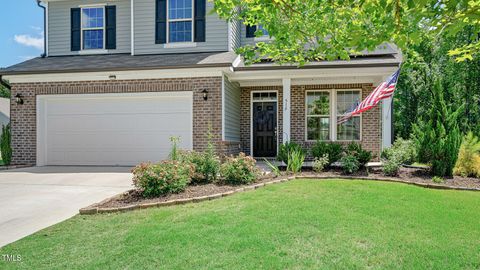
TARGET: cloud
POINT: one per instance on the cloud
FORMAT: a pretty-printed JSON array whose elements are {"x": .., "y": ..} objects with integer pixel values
[{"x": 30, "y": 41}]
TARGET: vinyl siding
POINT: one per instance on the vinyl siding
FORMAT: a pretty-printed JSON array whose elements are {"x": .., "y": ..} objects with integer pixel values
[
  {"x": 235, "y": 32},
  {"x": 144, "y": 16},
  {"x": 232, "y": 111},
  {"x": 59, "y": 25}
]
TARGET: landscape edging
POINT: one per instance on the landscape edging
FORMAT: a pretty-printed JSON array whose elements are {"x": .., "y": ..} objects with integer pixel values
[{"x": 91, "y": 210}]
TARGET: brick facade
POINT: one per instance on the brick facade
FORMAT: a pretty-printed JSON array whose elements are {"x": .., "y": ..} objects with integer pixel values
[
  {"x": 206, "y": 114},
  {"x": 371, "y": 120}
]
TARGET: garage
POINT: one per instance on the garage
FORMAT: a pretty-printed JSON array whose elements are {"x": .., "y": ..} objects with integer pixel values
[{"x": 111, "y": 129}]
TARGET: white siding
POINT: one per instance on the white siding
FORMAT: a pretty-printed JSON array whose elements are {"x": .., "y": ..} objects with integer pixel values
[
  {"x": 144, "y": 14},
  {"x": 232, "y": 110},
  {"x": 59, "y": 25}
]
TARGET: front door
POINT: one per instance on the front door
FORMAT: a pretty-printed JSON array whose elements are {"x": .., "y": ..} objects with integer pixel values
[{"x": 264, "y": 129}]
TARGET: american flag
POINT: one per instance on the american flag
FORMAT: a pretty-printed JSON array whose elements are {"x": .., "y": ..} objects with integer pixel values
[{"x": 383, "y": 91}]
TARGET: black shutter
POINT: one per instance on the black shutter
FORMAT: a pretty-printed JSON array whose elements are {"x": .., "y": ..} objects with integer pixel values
[
  {"x": 251, "y": 29},
  {"x": 161, "y": 22},
  {"x": 75, "y": 31},
  {"x": 111, "y": 32},
  {"x": 199, "y": 17}
]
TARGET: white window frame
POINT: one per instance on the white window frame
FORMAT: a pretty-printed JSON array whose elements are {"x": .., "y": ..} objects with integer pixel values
[
  {"x": 333, "y": 114},
  {"x": 102, "y": 6},
  {"x": 330, "y": 98},
  {"x": 180, "y": 20}
]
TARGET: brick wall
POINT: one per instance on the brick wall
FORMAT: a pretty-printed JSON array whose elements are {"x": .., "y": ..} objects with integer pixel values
[
  {"x": 371, "y": 125},
  {"x": 206, "y": 114}
]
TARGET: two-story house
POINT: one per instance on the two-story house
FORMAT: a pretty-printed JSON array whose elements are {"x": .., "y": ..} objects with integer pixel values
[{"x": 122, "y": 76}]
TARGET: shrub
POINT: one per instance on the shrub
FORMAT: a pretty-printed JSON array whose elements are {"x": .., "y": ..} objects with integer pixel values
[
  {"x": 239, "y": 170},
  {"x": 5, "y": 147},
  {"x": 356, "y": 150},
  {"x": 273, "y": 167},
  {"x": 174, "y": 153},
  {"x": 402, "y": 150},
  {"x": 206, "y": 165},
  {"x": 169, "y": 176},
  {"x": 332, "y": 150},
  {"x": 295, "y": 160},
  {"x": 350, "y": 164},
  {"x": 286, "y": 148},
  {"x": 319, "y": 164},
  {"x": 391, "y": 167},
  {"x": 437, "y": 137},
  {"x": 468, "y": 162},
  {"x": 438, "y": 180}
]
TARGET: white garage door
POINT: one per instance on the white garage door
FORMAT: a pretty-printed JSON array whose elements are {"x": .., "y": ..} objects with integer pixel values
[{"x": 111, "y": 129}]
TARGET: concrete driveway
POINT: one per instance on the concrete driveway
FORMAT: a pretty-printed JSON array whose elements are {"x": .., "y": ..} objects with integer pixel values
[{"x": 34, "y": 198}]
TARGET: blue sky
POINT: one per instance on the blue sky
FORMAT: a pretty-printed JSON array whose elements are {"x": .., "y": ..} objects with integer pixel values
[{"x": 21, "y": 31}]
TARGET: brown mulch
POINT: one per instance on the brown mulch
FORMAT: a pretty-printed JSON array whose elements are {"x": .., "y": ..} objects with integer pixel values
[{"x": 413, "y": 175}]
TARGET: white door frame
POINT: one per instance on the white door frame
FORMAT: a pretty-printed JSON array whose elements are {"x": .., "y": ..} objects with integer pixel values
[{"x": 251, "y": 114}]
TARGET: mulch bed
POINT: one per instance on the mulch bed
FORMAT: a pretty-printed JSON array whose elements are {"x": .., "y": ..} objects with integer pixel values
[{"x": 133, "y": 199}]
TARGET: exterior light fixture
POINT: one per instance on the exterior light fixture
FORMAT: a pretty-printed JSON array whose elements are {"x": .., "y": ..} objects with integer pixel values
[
  {"x": 18, "y": 99},
  {"x": 112, "y": 77},
  {"x": 205, "y": 94}
]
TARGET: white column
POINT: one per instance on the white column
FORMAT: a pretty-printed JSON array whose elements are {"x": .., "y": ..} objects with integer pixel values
[
  {"x": 286, "y": 109},
  {"x": 387, "y": 123}
]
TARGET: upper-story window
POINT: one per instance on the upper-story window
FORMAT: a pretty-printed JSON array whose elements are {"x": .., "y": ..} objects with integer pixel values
[
  {"x": 180, "y": 20},
  {"x": 264, "y": 31},
  {"x": 93, "y": 28}
]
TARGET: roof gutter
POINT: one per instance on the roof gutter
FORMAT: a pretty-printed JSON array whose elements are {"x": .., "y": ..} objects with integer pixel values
[
  {"x": 4, "y": 83},
  {"x": 39, "y": 3}
]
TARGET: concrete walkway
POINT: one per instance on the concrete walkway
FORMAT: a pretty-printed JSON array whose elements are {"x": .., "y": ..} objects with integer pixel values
[{"x": 35, "y": 198}]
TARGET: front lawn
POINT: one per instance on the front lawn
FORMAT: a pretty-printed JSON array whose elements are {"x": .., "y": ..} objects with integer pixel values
[{"x": 300, "y": 224}]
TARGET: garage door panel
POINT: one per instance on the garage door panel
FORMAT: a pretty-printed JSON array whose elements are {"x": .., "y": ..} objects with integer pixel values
[{"x": 113, "y": 130}]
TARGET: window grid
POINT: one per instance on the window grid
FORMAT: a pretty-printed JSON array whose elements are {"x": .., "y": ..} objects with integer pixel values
[
  {"x": 347, "y": 100},
  {"x": 93, "y": 28},
  {"x": 318, "y": 115},
  {"x": 180, "y": 21}
]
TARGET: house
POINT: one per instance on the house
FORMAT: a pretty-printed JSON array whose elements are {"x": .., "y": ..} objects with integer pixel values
[{"x": 122, "y": 76}]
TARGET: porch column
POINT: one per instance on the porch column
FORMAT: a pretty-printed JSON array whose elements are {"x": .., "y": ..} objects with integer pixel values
[
  {"x": 286, "y": 109},
  {"x": 387, "y": 122}
]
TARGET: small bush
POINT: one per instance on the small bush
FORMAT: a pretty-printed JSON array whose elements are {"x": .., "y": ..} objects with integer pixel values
[
  {"x": 169, "y": 176},
  {"x": 295, "y": 160},
  {"x": 356, "y": 150},
  {"x": 239, "y": 170},
  {"x": 350, "y": 164},
  {"x": 319, "y": 164},
  {"x": 438, "y": 180},
  {"x": 402, "y": 150},
  {"x": 174, "y": 153},
  {"x": 391, "y": 167},
  {"x": 468, "y": 162},
  {"x": 332, "y": 150},
  {"x": 273, "y": 167},
  {"x": 5, "y": 146},
  {"x": 287, "y": 148}
]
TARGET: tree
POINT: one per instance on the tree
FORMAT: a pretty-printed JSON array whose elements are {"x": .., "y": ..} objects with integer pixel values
[
  {"x": 306, "y": 30},
  {"x": 4, "y": 92}
]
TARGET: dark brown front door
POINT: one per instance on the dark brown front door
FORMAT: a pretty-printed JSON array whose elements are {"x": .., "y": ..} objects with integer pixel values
[{"x": 264, "y": 129}]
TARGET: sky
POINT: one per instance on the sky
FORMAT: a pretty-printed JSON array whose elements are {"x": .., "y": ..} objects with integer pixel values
[{"x": 21, "y": 31}]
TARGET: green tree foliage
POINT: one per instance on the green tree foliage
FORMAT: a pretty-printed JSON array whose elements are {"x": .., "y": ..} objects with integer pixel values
[
  {"x": 5, "y": 146},
  {"x": 437, "y": 135},
  {"x": 306, "y": 30},
  {"x": 4, "y": 92}
]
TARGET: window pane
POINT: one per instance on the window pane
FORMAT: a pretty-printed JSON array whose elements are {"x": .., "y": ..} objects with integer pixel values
[
  {"x": 92, "y": 39},
  {"x": 347, "y": 101},
  {"x": 180, "y": 31},
  {"x": 92, "y": 17},
  {"x": 265, "y": 32},
  {"x": 318, "y": 103},
  {"x": 179, "y": 9},
  {"x": 318, "y": 128},
  {"x": 350, "y": 130}
]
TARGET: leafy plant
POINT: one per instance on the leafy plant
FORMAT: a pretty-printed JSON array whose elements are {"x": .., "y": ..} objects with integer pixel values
[
  {"x": 168, "y": 176},
  {"x": 174, "y": 151},
  {"x": 356, "y": 150},
  {"x": 239, "y": 170},
  {"x": 437, "y": 137},
  {"x": 438, "y": 180},
  {"x": 286, "y": 148},
  {"x": 274, "y": 168},
  {"x": 403, "y": 151},
  {"x": 319, "y": 164},
  {"x": 468, "y": 163},
  {"x": 296, "y": 159},
  {"x": 332, "y": 150},
  {"x": 5, "y": 145},
  {"x": 391, "y": 167},
  {"x": 350, "y": 164}
]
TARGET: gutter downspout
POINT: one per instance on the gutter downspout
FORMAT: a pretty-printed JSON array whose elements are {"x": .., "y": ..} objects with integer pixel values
[{"x": 44, "y": 54}]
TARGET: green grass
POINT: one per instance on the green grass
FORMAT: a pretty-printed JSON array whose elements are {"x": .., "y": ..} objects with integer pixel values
[{"x": 296, "y": 225}]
